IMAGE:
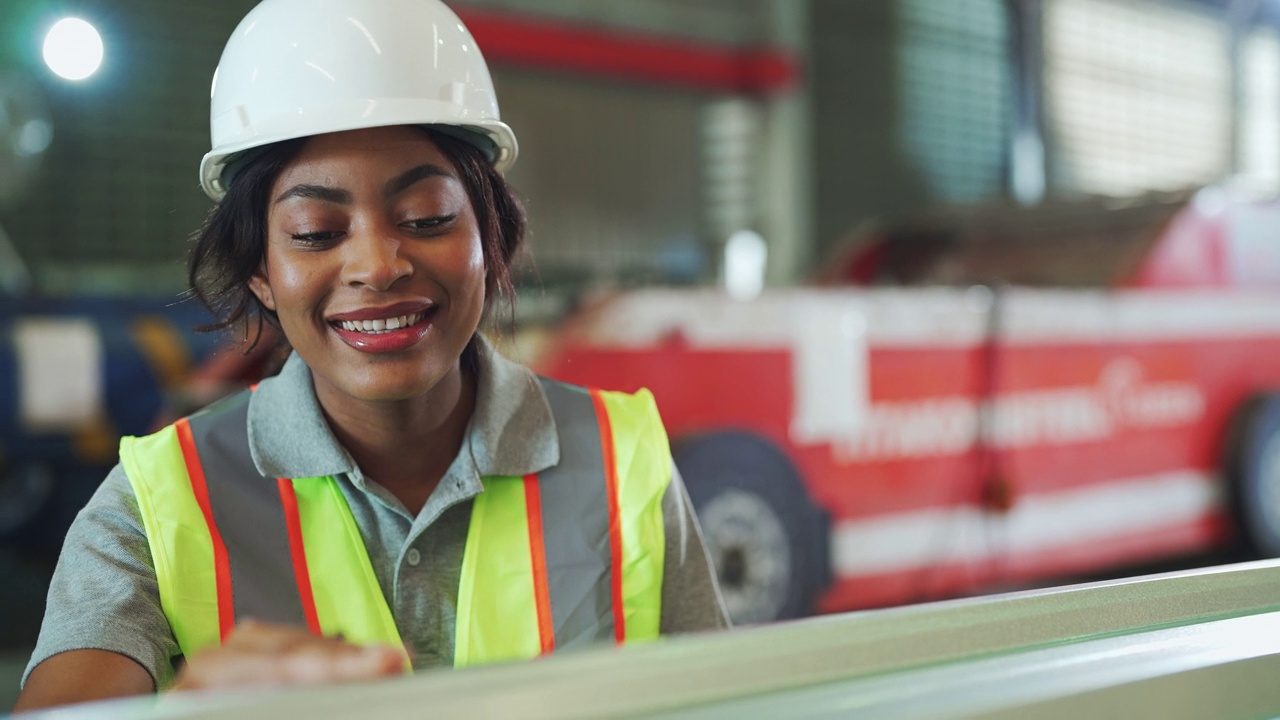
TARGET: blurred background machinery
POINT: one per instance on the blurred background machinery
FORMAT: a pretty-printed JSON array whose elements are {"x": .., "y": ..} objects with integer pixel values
[
  {"x": 967, "y": 177},
  {"x": 1010, "y": 394}
]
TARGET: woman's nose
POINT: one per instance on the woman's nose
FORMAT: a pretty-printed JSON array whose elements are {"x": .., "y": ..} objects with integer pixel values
[{"x": 375, "y": 260}]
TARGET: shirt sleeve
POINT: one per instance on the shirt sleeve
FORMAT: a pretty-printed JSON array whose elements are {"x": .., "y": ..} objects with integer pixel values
[
  {"x": 690, "y": 593},
  {"x": 104, "y": 594}
]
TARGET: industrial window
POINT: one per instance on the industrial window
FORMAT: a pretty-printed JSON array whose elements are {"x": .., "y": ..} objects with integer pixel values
[
  {"x": 1259, "y": 139},
  {"x": 1137, "y": 95},
  {"x": 956, "y": 89},
  {"x": 610, "y": 172}
]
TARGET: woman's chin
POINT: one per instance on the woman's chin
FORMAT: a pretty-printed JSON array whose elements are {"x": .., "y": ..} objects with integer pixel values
[{"x": 387, "y": 390}]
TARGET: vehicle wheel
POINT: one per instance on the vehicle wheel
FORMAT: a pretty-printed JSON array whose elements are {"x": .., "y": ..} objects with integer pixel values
[
  {"x": 767, "y": 539},
  {"x": 1253, "y": 473}
]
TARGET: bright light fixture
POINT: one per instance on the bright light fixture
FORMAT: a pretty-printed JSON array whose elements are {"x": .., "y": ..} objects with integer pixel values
[
  {"x": 746, "y": 258},
  {"x": 73, "y": 49}
]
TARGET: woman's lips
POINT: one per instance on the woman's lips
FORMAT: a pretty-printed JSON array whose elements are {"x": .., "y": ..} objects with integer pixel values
[
  {"x": 373, "y": 340},
  {"x": 407, "y": 307}
]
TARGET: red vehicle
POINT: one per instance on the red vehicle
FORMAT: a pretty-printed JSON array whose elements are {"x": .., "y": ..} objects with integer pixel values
[{"x": 989, "y": 397}]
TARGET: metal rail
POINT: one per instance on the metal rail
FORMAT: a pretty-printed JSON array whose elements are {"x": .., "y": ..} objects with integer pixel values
[{"x": 1202, "y": 643}]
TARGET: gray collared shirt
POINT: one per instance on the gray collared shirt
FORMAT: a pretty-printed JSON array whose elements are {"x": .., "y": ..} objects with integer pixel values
[{"x": 104, "y": 593}]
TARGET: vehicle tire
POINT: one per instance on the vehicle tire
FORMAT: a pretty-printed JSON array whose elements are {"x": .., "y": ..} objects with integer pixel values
[
  {"x": 767, "y": 539},
  {"x": 1253, "y": 473}
]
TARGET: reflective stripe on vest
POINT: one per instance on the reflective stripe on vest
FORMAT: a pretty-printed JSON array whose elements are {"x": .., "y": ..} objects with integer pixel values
[{"x": 537, "y": 570}]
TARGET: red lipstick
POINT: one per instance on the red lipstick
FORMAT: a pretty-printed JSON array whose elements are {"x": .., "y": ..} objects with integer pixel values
[{"x": 376, "y": 339}]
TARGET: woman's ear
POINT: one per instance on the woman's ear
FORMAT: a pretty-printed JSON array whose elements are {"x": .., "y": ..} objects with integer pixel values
[{"x": 261, "y": 287}]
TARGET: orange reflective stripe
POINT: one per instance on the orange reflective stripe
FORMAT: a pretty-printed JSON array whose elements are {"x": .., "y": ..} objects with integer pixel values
[
  {"x": 538, "y": 554},
  {"x": 615, "y": 515},
  {"x": 293, "y": 522},
  {"x": 221, "y": 567}
]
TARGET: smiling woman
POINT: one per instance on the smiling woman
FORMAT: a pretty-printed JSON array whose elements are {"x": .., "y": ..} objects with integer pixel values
[
  {"x": 399, "y": 496},
  {"x": 353, "y": 217}
]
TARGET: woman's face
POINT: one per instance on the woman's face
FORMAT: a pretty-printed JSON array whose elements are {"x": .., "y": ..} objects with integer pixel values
[{"x": 374, "y": 264}]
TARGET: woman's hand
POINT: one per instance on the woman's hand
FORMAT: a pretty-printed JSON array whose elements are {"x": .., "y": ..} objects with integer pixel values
[{"x": 261, "y": 654}]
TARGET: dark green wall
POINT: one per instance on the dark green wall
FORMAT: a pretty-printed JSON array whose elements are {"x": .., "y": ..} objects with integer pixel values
[
  {"x": 118, "y": 193},
  {"x": 911, "y": 108},
  {"x": 859, "y": 165}
]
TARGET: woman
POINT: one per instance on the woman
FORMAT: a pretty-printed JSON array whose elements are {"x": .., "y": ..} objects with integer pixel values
[{"x": 399, "y": 494}]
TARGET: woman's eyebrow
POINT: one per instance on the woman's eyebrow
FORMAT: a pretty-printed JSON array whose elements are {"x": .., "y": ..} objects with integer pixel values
[
  {"x": 394, "y": 186},
  {"x": 403, "y": 181},
  {"x": 316, "y": 192}
]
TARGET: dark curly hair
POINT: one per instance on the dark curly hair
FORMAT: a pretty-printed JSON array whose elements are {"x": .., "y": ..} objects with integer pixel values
[{"x": 231, "y": 245}]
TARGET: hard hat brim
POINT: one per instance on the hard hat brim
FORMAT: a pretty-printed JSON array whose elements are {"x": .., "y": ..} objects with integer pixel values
[{"x": 250, "y": 133}]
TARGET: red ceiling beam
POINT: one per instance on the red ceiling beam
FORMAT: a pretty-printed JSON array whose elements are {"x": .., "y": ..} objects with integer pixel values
[{"x": 522, "y": 40}]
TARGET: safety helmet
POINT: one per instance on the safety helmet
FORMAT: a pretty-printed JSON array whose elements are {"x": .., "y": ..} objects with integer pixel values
[{"x": 295, "y": 68}]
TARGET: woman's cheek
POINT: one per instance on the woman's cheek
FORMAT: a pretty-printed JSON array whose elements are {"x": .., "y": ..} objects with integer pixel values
[
  {"x": 295, "y": 274},
  {"x": 477, "y": 261},
  {"x": 469, "y": 261}
]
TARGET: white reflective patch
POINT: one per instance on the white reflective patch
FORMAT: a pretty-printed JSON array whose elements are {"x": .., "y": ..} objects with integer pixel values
[
  {"x": 826, "y": 333},
  {"x": 935, "y": 317},
  {"x": 1077, "y": 516},
  {"x": 830, "y": 378},
  {"x": 60, "y": 385}
]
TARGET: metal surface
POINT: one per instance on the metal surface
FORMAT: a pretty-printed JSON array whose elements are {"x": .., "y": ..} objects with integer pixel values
[{"x": 1191, "y": 644}]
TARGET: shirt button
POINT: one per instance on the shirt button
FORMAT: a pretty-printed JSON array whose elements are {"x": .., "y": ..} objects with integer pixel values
[{"x": 413, "y": 557}]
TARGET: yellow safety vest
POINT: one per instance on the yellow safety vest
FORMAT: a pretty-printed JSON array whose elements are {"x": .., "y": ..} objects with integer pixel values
[{"x": 575, "y": 551}]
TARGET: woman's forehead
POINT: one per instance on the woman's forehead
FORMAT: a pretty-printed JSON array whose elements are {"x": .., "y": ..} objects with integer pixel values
[{"x": 372, "y": 151}]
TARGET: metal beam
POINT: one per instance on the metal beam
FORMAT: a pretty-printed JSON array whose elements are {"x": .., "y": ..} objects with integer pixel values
[
  {"x": 1028, "y": 169},
  {"x": 526, "y": 40},
  {"x": 1207, "y": 641}
]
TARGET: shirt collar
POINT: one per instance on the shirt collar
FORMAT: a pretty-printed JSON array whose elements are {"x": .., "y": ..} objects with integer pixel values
[{"x": 511, "y": 432}]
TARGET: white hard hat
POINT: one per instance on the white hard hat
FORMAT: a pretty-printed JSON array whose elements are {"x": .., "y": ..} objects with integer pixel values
[{"x": 295, "y": 68}]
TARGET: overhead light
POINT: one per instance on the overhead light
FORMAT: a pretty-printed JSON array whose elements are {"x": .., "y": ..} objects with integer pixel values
[
  {"x": 73, "y": 49},
  {"x": 745, "y": 260}
]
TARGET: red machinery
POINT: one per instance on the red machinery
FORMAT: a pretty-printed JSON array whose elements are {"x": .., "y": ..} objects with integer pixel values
[{"x": 1008, "y": 395}]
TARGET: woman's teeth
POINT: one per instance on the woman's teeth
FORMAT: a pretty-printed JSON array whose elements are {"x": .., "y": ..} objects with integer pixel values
[{"x": 384, "y": 325}]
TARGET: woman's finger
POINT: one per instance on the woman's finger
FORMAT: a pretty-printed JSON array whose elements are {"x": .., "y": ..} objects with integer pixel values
[{"x": 261, "y": 654}]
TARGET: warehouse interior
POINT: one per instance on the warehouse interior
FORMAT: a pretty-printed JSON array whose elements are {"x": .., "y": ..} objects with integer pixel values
[
  {"x": 882, "y": 108},
  {"x": 1022, "y": 186}
]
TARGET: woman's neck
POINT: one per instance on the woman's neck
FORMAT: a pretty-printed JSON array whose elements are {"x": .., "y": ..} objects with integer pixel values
[{"x": 406, "y": 446}]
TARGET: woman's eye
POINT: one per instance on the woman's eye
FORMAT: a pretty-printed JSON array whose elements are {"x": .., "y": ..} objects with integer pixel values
[
  {"x": 315, "y": 239},
  {"x": 429, "y": 224}
]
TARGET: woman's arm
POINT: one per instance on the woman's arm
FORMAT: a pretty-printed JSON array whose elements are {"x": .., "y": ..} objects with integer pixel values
[
  {"x": 690, "y": 592},
  {"x": 103, "y": 598},
  {"x": 80, "y": 676},
  {"x": 256, "y": 654}
]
